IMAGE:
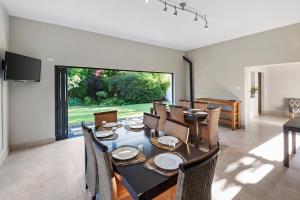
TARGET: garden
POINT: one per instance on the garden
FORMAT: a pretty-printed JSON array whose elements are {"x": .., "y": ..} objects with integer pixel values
[{"x": 96, "y": 90}]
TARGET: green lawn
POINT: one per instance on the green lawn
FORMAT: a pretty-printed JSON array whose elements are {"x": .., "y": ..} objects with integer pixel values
[{"x": 77, "y": 114}]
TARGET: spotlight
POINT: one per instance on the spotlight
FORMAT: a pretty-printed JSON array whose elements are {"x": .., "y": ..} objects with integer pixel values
[
  {"x": 206, "y": 26},
  {"x": 175, "y": 12},
  {"x": 166, "y": 8},
  {"x": 196, "y": 17},
  {"x": 146, "y": 1},
  {"x": 206, "y": 23}
]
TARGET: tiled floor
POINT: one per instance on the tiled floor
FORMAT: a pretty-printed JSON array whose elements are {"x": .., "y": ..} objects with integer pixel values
[{"x": 249, "y": 168}]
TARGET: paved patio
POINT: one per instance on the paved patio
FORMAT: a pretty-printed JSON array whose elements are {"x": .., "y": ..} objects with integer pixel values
[{"x": 76, "y": 131}]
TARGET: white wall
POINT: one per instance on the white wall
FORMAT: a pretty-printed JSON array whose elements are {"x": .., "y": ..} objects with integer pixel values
[
  {"x": 32, "y": 104},
  {"x": 4, "y": 38},
  {"x": 281, "y": 83},
  {"x": 219, "y": 69}
]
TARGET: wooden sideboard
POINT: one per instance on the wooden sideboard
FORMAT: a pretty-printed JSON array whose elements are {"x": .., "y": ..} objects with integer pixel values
[{"x": 230, "y": 113}]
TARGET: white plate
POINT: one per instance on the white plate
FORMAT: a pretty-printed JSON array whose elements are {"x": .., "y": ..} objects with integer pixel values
[
  {"x": 125, "y": 153},
  {"x": 102, "y": 134},
  {"x": 165, "y": 140},
  {"x": 168, "y": 161},
  {"x": 137, "y": 126},
  {"x": 110, "y": 124},
  {"x": 202, "y": 113}
]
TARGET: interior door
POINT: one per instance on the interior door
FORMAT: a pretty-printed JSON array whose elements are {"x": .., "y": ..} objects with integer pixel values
[
  {"x": 61, "y": 103},
  {"x": 259, "y": 92}
]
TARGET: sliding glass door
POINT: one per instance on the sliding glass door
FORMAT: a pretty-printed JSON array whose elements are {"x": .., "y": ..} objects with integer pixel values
[{"x": 82, "y": 91}]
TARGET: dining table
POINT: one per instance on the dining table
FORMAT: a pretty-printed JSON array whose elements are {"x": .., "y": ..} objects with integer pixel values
[
  {"x": 141, "y": 182},
  {"x": 194, "y": 118},
  {"x": 293, "y": 127}
]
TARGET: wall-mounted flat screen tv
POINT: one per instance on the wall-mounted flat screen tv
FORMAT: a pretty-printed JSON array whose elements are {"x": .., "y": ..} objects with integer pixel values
[{"x": 21, "y": 68}]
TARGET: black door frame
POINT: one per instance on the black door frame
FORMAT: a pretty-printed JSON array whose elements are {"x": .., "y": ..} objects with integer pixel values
[
  {"x": 61, "y": 96},
  {"x": 61, "y": 102}
]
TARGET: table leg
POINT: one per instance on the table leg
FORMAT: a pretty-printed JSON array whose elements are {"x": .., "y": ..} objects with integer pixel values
[
  {"x": 286, "y": 148},
  {"x": 196, "y": 139},
  {"x": 294, "y": 142}
]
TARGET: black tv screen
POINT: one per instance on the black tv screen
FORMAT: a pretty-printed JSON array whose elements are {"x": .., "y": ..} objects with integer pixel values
[{"x": 22, "y": 68}]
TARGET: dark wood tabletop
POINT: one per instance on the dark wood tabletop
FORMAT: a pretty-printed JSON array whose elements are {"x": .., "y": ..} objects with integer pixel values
[
  {"x": 292, "y": 126},
  {"x": 141, "y": 182}
]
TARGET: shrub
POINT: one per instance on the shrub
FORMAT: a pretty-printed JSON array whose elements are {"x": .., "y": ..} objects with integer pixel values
[
  {"x": 88, "y": 101},
  {"x": 74, "y": 101},
  {"x": 113, "y": 101},
  {"x": 101, "y": 94},
  {"x": 138, "y": 87}
]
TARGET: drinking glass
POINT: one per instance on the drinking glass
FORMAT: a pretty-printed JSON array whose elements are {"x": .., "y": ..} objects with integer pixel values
[
  {"x": 127, "y": 121},
  {"x": 114, "y": 129},
  {"x": 103, "y": 123},
  {"x": 172, "y": 145},
  {"x": 141, "y": 148},
  {"x": 152, "y": 133}
]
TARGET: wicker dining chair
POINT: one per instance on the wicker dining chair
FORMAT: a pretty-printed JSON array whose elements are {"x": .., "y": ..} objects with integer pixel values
[
  {"x": 202, "y": 106},
  {"x": 185, "y": 104},
  {"x": 91, "y": 174},
  {"x": 177, "y": 129},
  {"x": 154, "y": 102},
  {"x": 176, "y": 113},
  {"x": 109, "y": 186},
  {"x": 109, "y": 116},
  {"x": 195, "y": 179},
  {"x": 161, "y": 110},
  {"x": 151, "y": 121},
  {"x": 209, "y": 131}
]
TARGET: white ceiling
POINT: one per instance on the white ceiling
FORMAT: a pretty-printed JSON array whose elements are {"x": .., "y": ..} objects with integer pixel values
[{"x": 138, "y": 21}]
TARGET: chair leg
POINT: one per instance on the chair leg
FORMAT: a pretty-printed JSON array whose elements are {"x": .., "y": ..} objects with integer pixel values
[{"x": 86, "y": 186}]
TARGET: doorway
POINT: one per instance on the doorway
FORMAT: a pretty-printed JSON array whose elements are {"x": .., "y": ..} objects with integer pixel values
[
  {"x": 82, "y": 91},
  {"x": 268, "y": 94}
]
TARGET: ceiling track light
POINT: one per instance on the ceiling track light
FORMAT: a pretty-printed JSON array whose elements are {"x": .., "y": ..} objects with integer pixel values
[{"x": 183, "y": 6}]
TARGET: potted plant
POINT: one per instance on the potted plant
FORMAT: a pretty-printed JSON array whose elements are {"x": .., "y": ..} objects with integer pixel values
[{"x": 253, "y": 91}]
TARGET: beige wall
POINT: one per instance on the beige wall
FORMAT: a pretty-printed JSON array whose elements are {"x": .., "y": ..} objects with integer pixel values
[
  {"x": 32, "y": 111},
  {"x": 220, "y": 69},
  {"x": 4, "y": 33}
]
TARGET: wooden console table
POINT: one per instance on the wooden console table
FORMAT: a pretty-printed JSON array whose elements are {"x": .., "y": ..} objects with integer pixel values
[
  {"x": 291, "y": 126},
  {"x": 230, "y": 113}
]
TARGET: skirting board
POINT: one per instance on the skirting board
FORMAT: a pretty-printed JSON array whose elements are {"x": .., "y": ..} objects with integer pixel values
[
  {"x": 286, "y": 114},
  {"x": 3, "y": 156},
  {"x": 32, "y": 144}
]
